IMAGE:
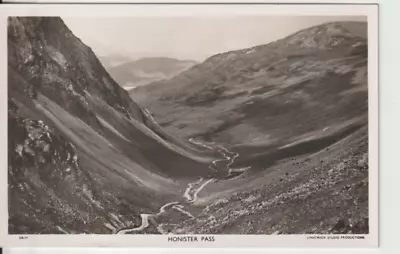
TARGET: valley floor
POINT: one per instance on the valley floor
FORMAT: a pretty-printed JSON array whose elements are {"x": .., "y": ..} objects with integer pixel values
[{"x": 320, "y": 193}]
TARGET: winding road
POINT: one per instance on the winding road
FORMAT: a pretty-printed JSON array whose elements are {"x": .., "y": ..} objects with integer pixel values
[
  {"x": 193, "y": 189},
  {"x": 228, "y": 156},
  {"x": 191, "y": 195}
]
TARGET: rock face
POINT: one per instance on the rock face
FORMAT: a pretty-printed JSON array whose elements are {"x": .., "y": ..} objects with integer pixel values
[
  {"x": 52, "y": 60},
  {"x": 44, "y": 176},
  {"x": 146, "y": 70},
  {"x": 272, "y": 93},
  {"x": 83, "y": 157}
]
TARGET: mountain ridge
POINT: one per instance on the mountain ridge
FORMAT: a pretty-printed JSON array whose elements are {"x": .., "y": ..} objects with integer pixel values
[{"x": 258, "y": 75}]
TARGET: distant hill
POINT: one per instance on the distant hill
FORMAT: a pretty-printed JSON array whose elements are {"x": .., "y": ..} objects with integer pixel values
[
  {"x": 146, "y": 70},
  {"x": 113, "y": 61}
]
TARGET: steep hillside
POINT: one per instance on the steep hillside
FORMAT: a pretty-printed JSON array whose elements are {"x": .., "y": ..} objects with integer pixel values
[
  {"x": 146, "y": 70},
  {"x": 276, "y": 94},
  {"x": 83, "y": 157}
]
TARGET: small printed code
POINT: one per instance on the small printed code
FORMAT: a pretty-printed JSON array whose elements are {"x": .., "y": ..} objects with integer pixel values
[{"x": 337, "y": 237}]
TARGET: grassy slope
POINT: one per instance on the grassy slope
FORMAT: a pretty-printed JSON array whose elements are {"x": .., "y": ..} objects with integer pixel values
[{"x": 268, "y": 94}]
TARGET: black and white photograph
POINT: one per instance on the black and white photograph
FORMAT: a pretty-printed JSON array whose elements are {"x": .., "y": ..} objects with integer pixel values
[{"x": 188, "y": 125}]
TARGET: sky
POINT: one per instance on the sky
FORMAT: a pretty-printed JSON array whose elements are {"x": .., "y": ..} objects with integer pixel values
[{"x": 186, "y": 38}]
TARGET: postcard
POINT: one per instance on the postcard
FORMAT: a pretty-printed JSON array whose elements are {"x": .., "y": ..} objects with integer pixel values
[{"x": 189, "y": 125}]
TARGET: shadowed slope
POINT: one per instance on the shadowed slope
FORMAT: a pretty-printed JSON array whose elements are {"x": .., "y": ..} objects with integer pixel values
[{"x": 81, "y": 157}]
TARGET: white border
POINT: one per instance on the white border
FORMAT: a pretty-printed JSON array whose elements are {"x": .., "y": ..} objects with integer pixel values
[{"x": 287, "y": 241}]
